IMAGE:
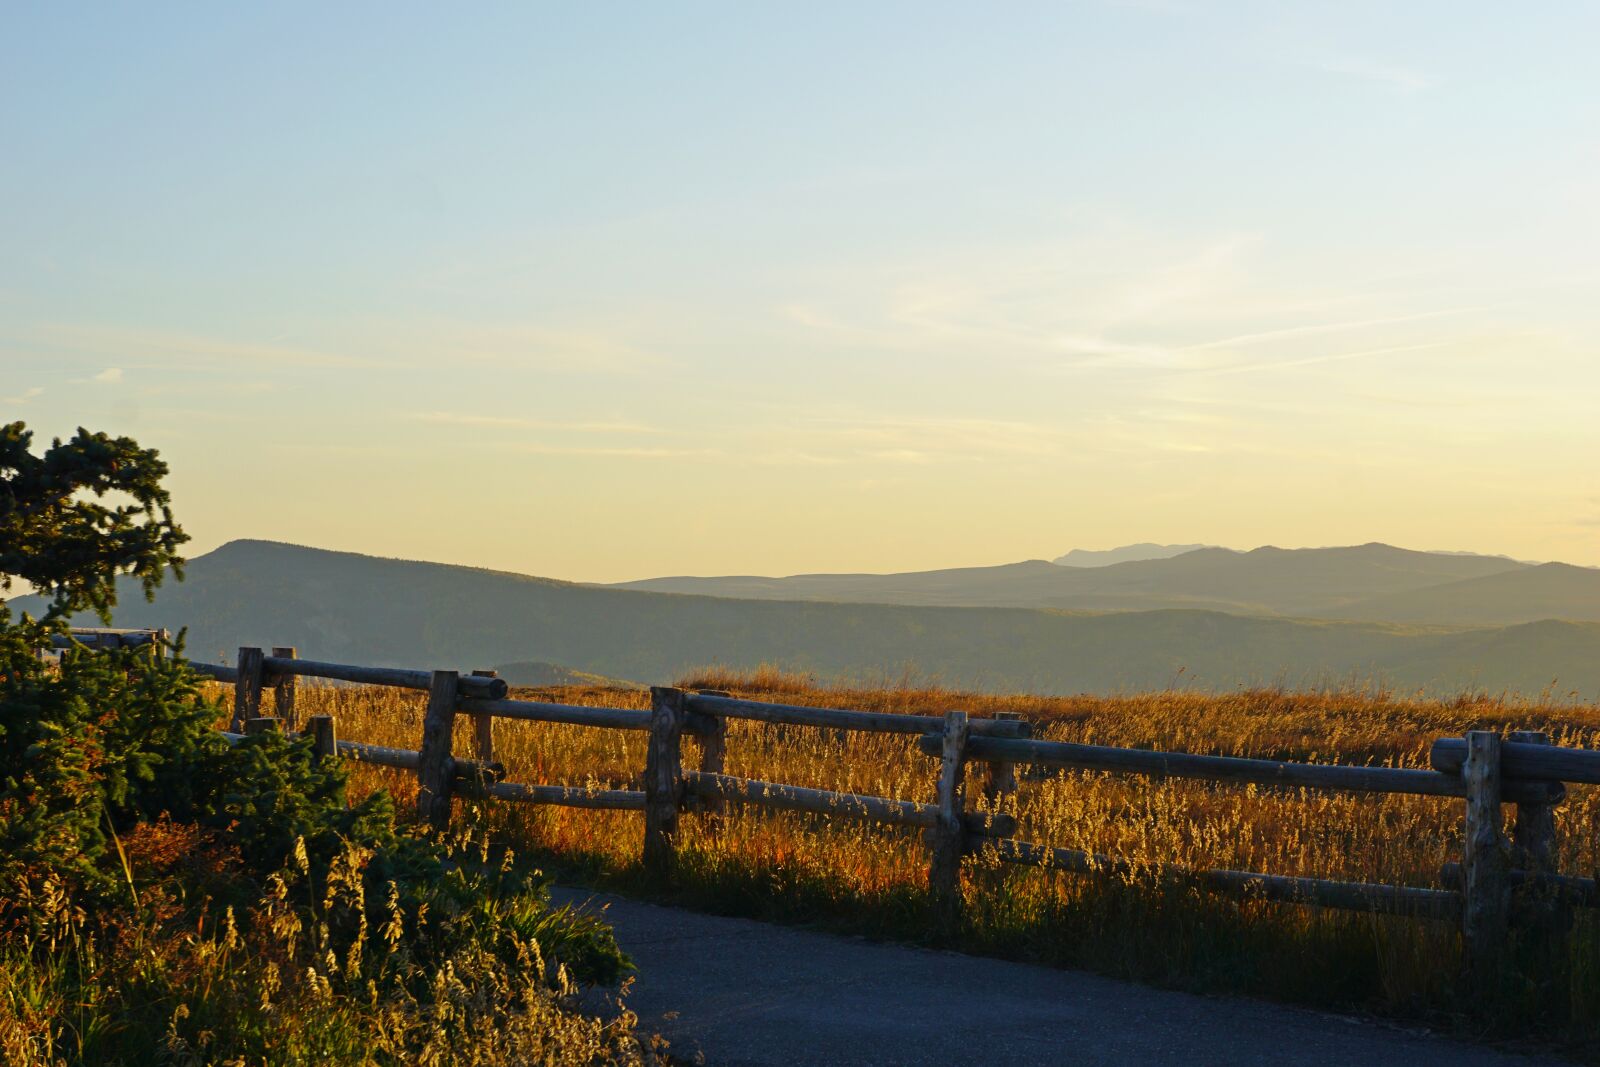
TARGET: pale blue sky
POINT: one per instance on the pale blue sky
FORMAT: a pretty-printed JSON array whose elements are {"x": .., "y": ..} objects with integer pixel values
[{"x": 770, "y": 288}]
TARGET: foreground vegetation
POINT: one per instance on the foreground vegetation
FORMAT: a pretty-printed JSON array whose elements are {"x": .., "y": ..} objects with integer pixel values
[
  {"x": 871, "y": 879},
  {"x": 167, "y": 897}
]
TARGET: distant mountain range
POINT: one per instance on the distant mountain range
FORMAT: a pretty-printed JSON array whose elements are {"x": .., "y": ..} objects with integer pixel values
[
  {"x": 1372, "y": 582},
  {"x": 353, "y": 608},
  {"x": 1090, "y": 557}
]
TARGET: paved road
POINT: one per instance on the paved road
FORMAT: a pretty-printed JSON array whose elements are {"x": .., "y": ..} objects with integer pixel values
[{"x": 745, "y": 994}]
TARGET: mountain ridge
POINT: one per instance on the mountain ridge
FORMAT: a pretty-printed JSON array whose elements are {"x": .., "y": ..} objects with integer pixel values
[
  {"x": 355, "y": 608},
  {"x": 1304, "y": 582},
  {"x": 1103, "y": 557}
]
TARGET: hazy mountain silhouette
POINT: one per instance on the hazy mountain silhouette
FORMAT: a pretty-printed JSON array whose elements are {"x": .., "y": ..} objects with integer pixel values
[
  {"x": 1089, "y": 557},
  {"x": 1528, "y": 594},
  {"x": 354, "y": 608},
  {"x": 1265, "y": 581}
]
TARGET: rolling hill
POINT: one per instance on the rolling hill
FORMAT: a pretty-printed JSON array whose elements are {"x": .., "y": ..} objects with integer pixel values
[
  {"x": 1264, "y": 581},
  {"x": 355, "y": 608},
  {"x": 1527, "y": 594}
]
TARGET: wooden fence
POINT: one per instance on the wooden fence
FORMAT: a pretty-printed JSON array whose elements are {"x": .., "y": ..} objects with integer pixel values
[
  {"x": 103, "y": 637},
  {"x": 1500, "y": 881}
]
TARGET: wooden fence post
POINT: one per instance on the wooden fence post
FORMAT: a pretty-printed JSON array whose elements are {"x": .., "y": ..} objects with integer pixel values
[
  {"x": 1484, "y": 912},
  {"x": 283, "y": 692},
  {"x": 663, "y": 779},
  {"x": 262, "y": 724},
  {"x": 324, "y": 739},
  {"x": 483, "y": 726},
  {"x": 436, "y": 767},
  {"x": 712, "y": 730},
  {"x": 247, "y": 689},
  {"x": 947, "y": 837},
  {"x": 1001, "y": 779},
  {"x": 1538, "y": 908}
]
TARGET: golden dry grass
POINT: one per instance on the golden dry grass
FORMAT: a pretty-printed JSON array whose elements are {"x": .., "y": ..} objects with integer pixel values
[
  {"x": 871, "y": 879},
  {"x": 265, "y": 979}
]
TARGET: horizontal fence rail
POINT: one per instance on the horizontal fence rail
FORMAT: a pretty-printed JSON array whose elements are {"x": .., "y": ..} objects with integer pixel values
[
  {"x": 105, "y": 637},
  {"x": 217, "y": 671},
  {"x": 403, "y": 758},
  {"x": 826, "y": 802},
  {"x": 99, "y": 638},
  {"x": 1482, "y": 769},
  {"x": 1518, "y": 759},
  {"x": 274, "y": 670},
  {"x": 1354, "y": 896},
  {"x": 1071, "y": 756},
  {"x": 571, "y": 714},
  {"x": 881, "y": 722},
  {"x": 1584, "y": 892},
  {"x": 565, "y": 795},
  {"x": 398, "y": 677}
]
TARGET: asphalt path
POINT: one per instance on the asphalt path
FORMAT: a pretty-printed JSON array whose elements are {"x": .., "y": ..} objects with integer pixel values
[{"x": 743, "y": 993}]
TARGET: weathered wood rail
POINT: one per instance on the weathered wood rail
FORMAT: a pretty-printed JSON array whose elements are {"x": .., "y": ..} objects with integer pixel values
[
  {"x": 107, "y": 637},
  {"x": 1501, "y": 878},
  {"x": 1333, "y": 776}
]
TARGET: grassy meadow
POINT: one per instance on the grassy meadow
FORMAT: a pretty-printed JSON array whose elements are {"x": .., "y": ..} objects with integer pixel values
[{"x": 871, "y": 880}]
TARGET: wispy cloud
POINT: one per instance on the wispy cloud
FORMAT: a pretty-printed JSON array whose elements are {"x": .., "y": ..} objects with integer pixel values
[
  {"x": 209, "y": 387},
  {"x": 1306, "y": 361},
  {"x": 1160, "y": 7},
  {"x": 614, "y": 453},
  {"x": 109, "y": 376},
  {"x": 381, "y": 345},
  {"x": 1592, "y": 519},
  {"x": 1120, "y": 312},
  {"x": 1435, "y": 401},
  {"x": 1288, "y": 333},
  {"x": 1103, "y": 351},
  {"x": 25, "y": 396},
  {"x": 574, "y": 349},
  {"x": 466, "y": 418},
  {"x": 1399, "y": 78},
  {"x": 1079, "y": 302},
  {"x": 795, "y": 457},
  {"x": 161, "y": 348},
  {"x": 910, "y": 439}
]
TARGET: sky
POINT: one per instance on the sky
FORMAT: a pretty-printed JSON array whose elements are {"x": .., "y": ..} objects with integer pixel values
[{"x": 609, "y": 291}]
